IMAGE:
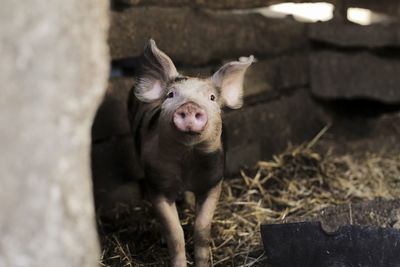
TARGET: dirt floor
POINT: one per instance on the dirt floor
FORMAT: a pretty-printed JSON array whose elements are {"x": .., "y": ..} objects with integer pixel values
[{"x": 345, "y": 175}]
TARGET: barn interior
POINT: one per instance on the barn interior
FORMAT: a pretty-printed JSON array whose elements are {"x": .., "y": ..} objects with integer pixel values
[{"x": 318, "y": 137}]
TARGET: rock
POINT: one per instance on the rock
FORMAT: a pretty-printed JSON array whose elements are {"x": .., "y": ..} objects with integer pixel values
[
  {"x": 336, "y": 75},
  {"x": 118, "y": 88},
  {"x": 382, "y": 213},
  {"x": 292, "y": 72},
  {"x": 259, "y": 131},
  {"x": 260, "y": 78},
  {"x": 153, "y": 2},
  {"x": 354, "y": 35},
  {"x": 271, "y": 76},
  {"x": 223, "y": 35},
  {"x": 54, "y": 70},
  {"x": 390, "y": 6},
  {"x": 115, "y": 173},
  {"x": 114, "y": 169},
  {"x": 112, "y": 118},
  {"x": 225, "y": 4},
  {"x": 377, "y": 134}
]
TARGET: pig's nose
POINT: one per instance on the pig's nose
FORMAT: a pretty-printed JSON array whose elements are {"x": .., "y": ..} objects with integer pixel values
[{"x": 190, "y": 118}]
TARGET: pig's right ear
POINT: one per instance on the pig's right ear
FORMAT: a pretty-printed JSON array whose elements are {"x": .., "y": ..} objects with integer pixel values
[{"x": 156, "y": 70}]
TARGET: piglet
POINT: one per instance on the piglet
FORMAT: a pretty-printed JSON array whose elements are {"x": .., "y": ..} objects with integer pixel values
[{"x": 177, "y": 127}]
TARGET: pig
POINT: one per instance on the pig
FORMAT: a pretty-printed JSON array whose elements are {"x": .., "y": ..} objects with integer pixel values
[{"x": 177, "y": 129}]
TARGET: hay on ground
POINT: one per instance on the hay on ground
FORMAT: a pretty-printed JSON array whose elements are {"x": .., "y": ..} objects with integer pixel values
[{"x": 298, "y": 182}]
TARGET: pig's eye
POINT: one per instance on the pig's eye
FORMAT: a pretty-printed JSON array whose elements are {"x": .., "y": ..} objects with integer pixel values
[
  {"x": 212, "y": 97},
  {"x": 170, "y": 94}
]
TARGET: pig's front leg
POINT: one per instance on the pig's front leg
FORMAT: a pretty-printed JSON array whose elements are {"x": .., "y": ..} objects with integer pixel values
[
  {"x": 172, "y": 229},
  {"x": 205, "y": 207}
]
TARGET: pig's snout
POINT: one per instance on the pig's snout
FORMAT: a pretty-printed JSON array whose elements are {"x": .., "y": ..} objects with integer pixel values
[{"x": 190, "y": 118}]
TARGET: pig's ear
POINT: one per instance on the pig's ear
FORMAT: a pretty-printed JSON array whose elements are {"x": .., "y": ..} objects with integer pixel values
[
  {"x": 229, "y": 78},
  {"x": 156, "y": 70}
]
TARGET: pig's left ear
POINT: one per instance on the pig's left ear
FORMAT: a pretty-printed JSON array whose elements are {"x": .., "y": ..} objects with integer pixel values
[
  {"x": 229, "y": 78},
  {"x": 156, "y": 70}
]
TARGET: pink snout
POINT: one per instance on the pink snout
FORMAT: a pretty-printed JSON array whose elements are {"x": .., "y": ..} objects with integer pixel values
[{"x": 190, "y": 118}]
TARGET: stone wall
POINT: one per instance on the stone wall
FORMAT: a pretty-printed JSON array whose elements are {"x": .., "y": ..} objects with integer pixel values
[
  {"x": 301, "y": 69},
  {"x": 389, "y": 6},
  {"x": 53, "y": 75}
]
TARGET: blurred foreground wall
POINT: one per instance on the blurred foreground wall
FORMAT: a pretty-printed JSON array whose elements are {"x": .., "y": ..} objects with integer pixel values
[{"x": 53, "y": 73}]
